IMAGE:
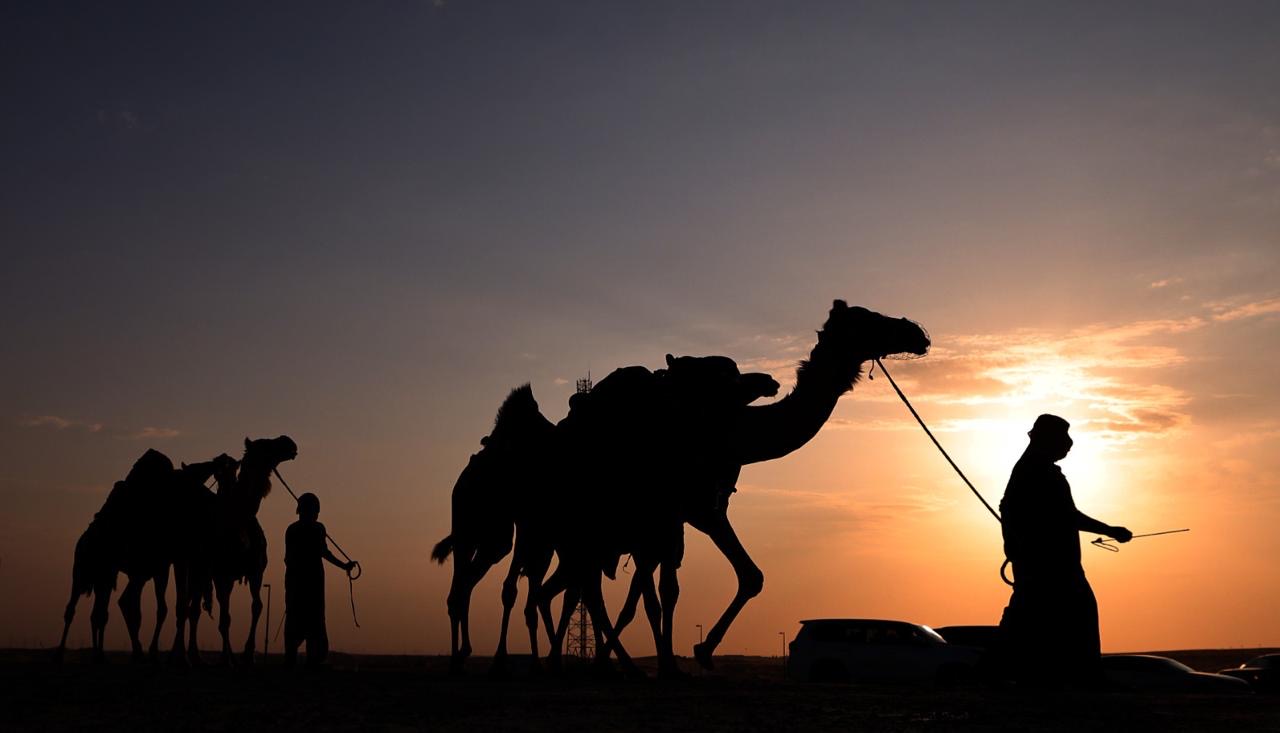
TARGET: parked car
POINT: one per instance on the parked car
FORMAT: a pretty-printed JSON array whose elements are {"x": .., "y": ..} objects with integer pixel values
[
  {"x": 1262, "y": 673},
  {"x": 1149, "y": 673},
  {"x": 872, "y": 650}
]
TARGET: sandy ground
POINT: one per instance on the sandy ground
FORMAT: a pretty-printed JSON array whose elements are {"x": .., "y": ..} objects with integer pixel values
[{"x": 417, "y": 694}]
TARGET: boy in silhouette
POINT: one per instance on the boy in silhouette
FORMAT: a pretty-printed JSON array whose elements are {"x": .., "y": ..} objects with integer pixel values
[
  {"x": 1050, "y": 627},
  {"x": 304, "y": 548}
]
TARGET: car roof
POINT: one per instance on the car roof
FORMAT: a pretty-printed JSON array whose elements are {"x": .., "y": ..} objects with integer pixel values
[
  {"x": 1150, "y": 658},
  {"x": 882, "y": 621}
]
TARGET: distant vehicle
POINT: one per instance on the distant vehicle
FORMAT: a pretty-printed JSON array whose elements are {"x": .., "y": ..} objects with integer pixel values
[
  {"x": 1149, "y": 673},
  {"x": 872, "y": 650},
  {"x": 1262, "y": 673}
]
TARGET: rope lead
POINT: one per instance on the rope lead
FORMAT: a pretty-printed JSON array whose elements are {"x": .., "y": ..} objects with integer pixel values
[
  {"x": 1003, "y": 566},
  {"x": 929, "y": 433}
]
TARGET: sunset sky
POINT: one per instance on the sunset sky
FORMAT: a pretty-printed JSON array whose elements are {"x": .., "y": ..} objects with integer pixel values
[{"x": 361, "y": 224}]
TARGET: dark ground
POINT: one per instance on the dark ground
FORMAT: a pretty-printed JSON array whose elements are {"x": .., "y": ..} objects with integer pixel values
[{"x": 383, "y": 693}]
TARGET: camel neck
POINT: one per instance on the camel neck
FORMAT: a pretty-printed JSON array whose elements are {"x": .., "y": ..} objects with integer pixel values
[{"x": 772, "y": 431}]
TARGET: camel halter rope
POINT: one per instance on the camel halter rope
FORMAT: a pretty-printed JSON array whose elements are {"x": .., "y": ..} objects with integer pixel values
[
  {"x": 1101, "y": 542},
  {"x": 352, "y": 575}
]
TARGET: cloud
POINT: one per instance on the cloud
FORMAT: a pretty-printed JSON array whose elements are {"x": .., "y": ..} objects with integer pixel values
[
  {"x": 150, "y": 433},
  {"x": 1165, "y": 283},
  {"x": 1235, "y": 311},
  {"x": 58, "y": 423}
]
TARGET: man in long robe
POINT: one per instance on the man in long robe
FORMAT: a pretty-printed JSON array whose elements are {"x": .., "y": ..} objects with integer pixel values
[
  {"x": 1050, "y": 627},
  {"x": 304, "y": 547}
]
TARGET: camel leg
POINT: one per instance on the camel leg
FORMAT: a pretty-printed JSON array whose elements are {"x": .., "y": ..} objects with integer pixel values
[
  {"x": 453, "y": 603},
  {"x": 98, "y": 620},
  {"x": 750, "y": 583},
  {"x": 195, "y": 594},
  {"x": 223, "y": 588},
  {"x": 68, "y": 616},
  {"x": 255, "y": 612},
  {"x": 180, "y": 602},
  {"x": 593, "y": 598},
  {"x": 554, "y": 586},
  {"x": 641, "y": 585},
  {"x": 161, "y": 582},
  {"x": 639, "y": 582},
  {"x": 536, "y": 571},
  {"x": 464, "y": 621},
  {"x": 548, "y": 589},
  {"x": 652, "y": 610},
  {"x": 130, "y": 604},
  {"x": 510, "y": 590},
  {"x": 669, "y": 589},
  {"x": 465, "y": 579},
  {"x": 531, "y": 620}
]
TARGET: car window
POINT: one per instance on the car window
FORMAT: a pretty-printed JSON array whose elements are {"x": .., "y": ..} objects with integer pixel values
[
  {"x": 1160, "y": 665},
  {"x": 840, "y": 633},
  {"x": 885, "y": 635}
]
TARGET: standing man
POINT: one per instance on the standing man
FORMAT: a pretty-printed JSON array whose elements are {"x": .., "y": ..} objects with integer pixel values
[
  {"x": 1050, "y": 627},
  {"x": 304, "y": 548}
]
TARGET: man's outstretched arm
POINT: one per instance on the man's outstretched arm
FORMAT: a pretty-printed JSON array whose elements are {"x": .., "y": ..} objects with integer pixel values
[{"x": 1086, "y": 523}]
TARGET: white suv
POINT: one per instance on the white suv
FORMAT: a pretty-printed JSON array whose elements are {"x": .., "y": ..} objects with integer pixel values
[{"x": 872, "y": 650}]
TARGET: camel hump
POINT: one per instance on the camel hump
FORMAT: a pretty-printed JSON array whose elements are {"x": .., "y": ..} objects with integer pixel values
[
  {"x": 624, "y": 391},
  {"x": 151, "y": 466},
  {"x": 622, "y": 384}
]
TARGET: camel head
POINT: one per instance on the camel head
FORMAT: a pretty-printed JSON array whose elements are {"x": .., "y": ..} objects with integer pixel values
[
  {"x": 261, "y": 458},
  {"x": 857, "y": 334},
  {"x": 270, "y": 451}
]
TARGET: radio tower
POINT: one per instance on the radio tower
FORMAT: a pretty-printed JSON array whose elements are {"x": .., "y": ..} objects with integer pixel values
[{"x": 580, "y": 640}]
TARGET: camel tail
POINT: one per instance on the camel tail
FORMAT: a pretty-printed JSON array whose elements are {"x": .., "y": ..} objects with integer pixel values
[{"x": 442, "y": 550}]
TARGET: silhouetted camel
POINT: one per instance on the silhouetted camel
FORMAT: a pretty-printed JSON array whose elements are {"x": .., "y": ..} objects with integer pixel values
[
  {"x": 671, "y": 465},
  {"x": 487, "y": 502},
  {"x": 138, "y": 532},
  {"x": 239, "y": 545},
  {"x": 495, "y": 492}
]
